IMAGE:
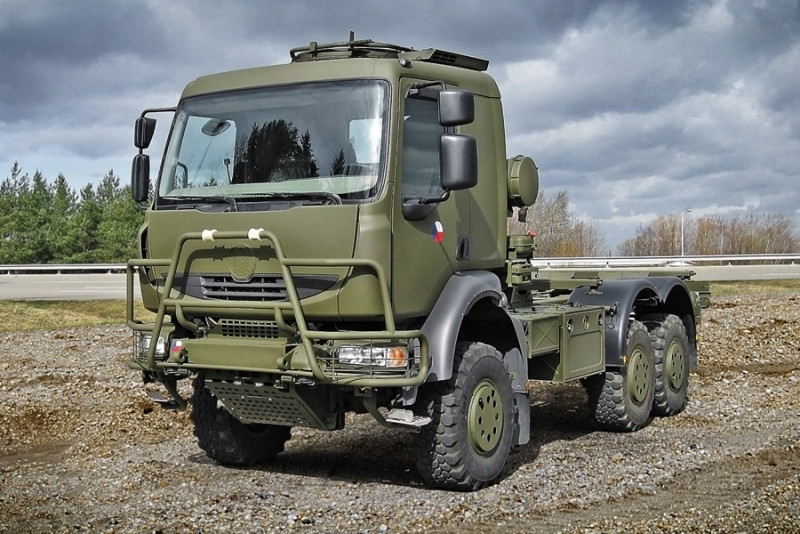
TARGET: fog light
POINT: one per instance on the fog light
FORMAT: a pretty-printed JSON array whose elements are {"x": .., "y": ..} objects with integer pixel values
[
  {"x": 144, "y": 347},
  {"x": 373, "y": 356}
]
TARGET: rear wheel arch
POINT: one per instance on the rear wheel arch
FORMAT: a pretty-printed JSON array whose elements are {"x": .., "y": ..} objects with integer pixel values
[{"x": 638, "y": 298}]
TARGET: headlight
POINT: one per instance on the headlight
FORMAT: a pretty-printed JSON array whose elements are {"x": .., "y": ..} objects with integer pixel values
[
  {"x": 373, "y": 356},
  {"x": 160, "y": 345},
  {"x": 143, "y": 342}
]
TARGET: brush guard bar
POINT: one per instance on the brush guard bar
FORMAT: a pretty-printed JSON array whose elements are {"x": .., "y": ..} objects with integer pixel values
[{"x": 322, "y": 373}]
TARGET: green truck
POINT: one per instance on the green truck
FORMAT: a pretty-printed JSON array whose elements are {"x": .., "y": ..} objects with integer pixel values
[{"x": 329, "y": 236}]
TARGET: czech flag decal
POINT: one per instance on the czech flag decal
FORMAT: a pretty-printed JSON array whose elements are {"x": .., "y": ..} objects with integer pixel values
[{"x": 437, "y": 232}]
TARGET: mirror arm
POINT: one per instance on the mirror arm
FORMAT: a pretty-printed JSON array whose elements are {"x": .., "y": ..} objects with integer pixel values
[{"x": 435, "y": 200}]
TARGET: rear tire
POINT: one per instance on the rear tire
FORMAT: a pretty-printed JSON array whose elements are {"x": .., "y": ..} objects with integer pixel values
[
  {"x": 671, "y": 350},
  {"x": 622, "y": 400},
  {"x": 466, "y": 445},
  {"x": 227, "y": 440}
]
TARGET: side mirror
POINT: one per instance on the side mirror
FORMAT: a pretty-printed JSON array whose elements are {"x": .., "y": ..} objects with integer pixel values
[
  {"x": 456, "y": 107},
  {"x": 140, "y": 177},
  {"x": 143, "y": 132},
  {"x": 459, "y": 162}
]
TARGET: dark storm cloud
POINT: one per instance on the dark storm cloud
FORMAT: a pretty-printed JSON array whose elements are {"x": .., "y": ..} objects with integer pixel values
[
  {"x": 47, "y": 49},
  {"x": 502, "y": 31},
  {"x": 636, "y": 108},
  {"x": 764, "y": 28}
]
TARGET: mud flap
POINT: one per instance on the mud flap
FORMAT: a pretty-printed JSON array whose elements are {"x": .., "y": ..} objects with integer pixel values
[{"x": 522, "y": 428}]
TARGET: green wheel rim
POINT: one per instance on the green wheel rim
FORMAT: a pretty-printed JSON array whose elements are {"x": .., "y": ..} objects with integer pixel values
[
  {"x": 639, "y": 377},
  {"x": 675, "y": 366},
  {"x": 485, "y": 418}
]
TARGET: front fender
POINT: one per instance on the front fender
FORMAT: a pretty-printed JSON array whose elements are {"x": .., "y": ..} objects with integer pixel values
[
  {"x": 472, "y": 308},
  {"x": 461, "y": 293}
]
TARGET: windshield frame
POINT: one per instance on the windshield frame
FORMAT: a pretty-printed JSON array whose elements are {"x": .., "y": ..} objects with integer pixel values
[{"x": 352, "y": 187}]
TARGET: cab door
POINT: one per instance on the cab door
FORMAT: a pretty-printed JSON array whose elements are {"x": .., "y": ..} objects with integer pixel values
[{"x": 430, "y": 226}]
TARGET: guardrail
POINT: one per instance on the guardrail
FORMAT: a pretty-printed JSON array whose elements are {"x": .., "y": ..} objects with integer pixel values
[
  {"x": 667, "y": 261},
  {"x": 610, "y": 261},
  {"x": 66, "y": 268}
]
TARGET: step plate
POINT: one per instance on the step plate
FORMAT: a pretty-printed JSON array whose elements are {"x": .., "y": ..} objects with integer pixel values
[{"x": 253, "y": 403}]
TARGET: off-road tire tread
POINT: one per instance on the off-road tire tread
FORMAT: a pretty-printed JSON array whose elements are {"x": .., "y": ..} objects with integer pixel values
[
  {"x": 665, "y": 402},
  {"x": 439, "y": 458},
  {"x": 607, "y": 397},
  {"x": 227, "y": 440}
]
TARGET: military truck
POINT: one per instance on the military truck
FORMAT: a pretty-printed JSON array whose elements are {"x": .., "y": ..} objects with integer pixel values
[{"x": 328, "y": 236}]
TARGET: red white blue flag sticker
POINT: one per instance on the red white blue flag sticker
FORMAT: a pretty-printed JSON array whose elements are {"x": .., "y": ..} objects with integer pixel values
[{"x": 437, "y": 232}]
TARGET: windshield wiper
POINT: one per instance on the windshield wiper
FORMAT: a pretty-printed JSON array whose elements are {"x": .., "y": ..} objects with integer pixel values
[
  {"x": 331, "y": 198},
  {"x": 214, "y": 199},
  {"x": 318, "y": 196}
]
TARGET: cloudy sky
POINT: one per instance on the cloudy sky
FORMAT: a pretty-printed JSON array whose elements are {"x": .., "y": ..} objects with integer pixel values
[{"x": 635, "y": 108}]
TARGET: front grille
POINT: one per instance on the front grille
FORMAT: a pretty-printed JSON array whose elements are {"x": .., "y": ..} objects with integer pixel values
[
  {"x": 249, "y": 329},
  {"x": 259, "y": 288}
]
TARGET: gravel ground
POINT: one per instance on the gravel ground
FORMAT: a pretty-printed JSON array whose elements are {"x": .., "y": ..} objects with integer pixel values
[{"x": 83, "y": 450}]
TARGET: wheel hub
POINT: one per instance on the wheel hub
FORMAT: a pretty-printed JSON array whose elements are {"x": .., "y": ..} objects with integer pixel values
[
  {"x": 485, "y": 418},
  {"x": 674, "y": 368},
  {"x": 639, "y": 377}
]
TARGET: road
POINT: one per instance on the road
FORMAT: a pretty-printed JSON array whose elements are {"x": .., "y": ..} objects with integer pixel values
[
  {"x": 62, "y": 287},
  {"x": 746, "y": 272}
]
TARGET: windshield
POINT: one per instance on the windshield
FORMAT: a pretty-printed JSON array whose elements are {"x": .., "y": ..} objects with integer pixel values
[{"x": 315, "y": 140}]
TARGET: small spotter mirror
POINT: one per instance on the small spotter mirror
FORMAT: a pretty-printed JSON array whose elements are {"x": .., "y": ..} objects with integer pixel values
[
  {"x": 215, "y": 127},
  {"x": 140, "y": 177}
]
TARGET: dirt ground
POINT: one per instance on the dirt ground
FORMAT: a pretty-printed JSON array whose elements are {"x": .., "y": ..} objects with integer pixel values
[{"x": 83, "y": 450}]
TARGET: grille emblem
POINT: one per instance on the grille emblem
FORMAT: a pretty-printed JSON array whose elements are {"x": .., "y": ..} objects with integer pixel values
[{"x": 241, "y": 263}]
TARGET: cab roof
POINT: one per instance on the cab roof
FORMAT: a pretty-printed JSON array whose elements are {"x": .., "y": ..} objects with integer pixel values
[{"x": 355, "y": 60}]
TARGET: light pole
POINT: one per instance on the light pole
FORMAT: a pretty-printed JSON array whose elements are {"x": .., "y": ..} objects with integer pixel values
[{"x": 684, "y": 212}]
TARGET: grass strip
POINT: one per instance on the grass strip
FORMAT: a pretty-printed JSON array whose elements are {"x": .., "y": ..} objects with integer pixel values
[
  {"x": 754, "y": 287},
  {"x": 16, "y": 316}
]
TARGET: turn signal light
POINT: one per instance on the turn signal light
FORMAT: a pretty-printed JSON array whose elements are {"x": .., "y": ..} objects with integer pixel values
[{"x": 373, "y": 356}]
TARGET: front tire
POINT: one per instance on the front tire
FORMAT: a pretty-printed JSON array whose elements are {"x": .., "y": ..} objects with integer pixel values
[
  {"x": 466, "y": 445},
  {"x": 227, "y": 440},
  {"x": 622, "y": 400}
]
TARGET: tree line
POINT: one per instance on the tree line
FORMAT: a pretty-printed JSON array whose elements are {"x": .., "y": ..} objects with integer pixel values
[
  {"x": 49, "y": 222},
  {"x": 560, "y": 233},
  {"x": 753, "y": 233}
]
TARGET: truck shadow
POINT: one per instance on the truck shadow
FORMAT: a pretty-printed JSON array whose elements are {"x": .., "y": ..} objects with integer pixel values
[
  {"x": 364, "y": 453},
  {"x": 559, "y": 412}
]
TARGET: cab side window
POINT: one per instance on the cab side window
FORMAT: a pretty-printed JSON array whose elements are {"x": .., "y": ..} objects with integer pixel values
[{"x": 421, "y": 135}]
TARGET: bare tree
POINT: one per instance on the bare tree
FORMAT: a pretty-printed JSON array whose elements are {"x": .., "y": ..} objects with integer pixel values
[
  {"x": 558, "y": 231},
  {"x": 659, "y": 238},
  {"x": 756, "y": 233}
]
